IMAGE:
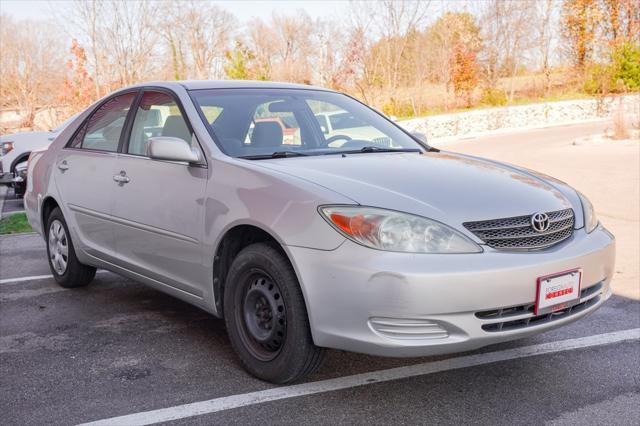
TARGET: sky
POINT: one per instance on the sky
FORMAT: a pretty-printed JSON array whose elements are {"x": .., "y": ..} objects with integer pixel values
[{"x": 244, "y": 10}]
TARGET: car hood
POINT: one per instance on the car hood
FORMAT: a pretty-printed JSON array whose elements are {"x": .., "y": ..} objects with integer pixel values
[
  {"x": 448, "y": 187},
  {"x": 23, "y": 136}
]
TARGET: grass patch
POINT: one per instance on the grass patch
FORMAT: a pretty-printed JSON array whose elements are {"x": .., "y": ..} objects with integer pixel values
[{"x": 15, "y": 224}]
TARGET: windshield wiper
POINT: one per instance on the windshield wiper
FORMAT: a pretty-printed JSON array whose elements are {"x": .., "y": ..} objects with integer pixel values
[
  {"x": 277, "y": 154},
  {"x": 368, "y": 149}
]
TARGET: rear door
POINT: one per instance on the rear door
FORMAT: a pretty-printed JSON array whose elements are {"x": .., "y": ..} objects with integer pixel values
[
  {"x": 84, "y": 174},
  {"x": 159, "y": 210}
]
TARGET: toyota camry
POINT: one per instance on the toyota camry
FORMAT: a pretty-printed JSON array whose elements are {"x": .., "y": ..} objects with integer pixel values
[{"x": 242, "y": 199}]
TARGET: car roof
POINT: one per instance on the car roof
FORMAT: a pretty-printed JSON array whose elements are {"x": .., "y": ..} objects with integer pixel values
[{"x": 228, "y": 84}]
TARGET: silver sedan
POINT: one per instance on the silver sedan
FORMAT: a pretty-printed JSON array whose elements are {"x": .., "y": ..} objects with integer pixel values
[{"x": 236, "y": 197}]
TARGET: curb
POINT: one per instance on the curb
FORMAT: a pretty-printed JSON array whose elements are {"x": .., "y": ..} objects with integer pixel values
[
  {"x": 7, "y": 214},
  {"x": 3, "y": 193},
  {"x": 18, "y": 234}
]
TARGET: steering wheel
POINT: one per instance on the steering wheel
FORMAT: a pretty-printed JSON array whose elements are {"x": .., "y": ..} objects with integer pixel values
[
  {"x": 356, "y": 144},
  {"x": 337, "y": 138}
]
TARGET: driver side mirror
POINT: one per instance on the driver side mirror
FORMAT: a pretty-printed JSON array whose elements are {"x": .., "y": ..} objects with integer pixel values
[
  {"x": 420, "y": 136},
  {"x": 171, "y": 149}
]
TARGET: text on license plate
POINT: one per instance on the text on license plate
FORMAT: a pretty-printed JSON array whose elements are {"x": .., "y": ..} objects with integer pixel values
[{"x": 558, "y": 291}]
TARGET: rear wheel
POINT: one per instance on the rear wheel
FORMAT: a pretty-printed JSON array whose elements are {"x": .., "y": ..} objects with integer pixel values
[
  {"x": 266, "y": 316},
  {"x": 64, "y": 265}
]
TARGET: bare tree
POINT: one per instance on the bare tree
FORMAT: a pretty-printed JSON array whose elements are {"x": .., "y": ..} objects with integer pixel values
[
  {"x": 197, "y": 37},
  {"x": 172, "y": 32},
  {"x": 508, "y": 38},
  {"x": 545, "y": 12},
  {"x": 120, "y": 37},
  {"x": 207, "y": 31},
  {"x": 260, "y": 41},
  {"x": 132, "y": 39},
  {"x": 31, "y": 66},
  {"x": 84, "y": 17},
  {"x": 331, "y": 48},
  {"x": 393, "y": 21},
  {"x": 284, "y": 47}
]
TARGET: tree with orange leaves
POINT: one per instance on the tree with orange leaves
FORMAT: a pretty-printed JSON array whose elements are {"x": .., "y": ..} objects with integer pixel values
[
  {"x": 78, "y": 85},
  {"x": 580, "y": 19},
  {"x": 464, "y": 74},
  {"x": 622, "y": 20}
]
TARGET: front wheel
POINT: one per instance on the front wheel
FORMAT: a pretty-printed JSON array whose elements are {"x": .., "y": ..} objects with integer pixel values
[
  {"x": 266, "y": 317},
  {"x": 65, "y": 267}
]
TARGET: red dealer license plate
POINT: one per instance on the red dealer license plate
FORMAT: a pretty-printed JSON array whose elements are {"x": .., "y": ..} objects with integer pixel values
[{"x": 558, "y": 291}]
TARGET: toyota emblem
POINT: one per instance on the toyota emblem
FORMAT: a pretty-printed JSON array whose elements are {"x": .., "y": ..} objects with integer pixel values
[{"x": 540, "y": 222}]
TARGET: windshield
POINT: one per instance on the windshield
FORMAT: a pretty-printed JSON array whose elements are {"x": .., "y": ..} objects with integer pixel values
[{"x": 263, "y": 122}]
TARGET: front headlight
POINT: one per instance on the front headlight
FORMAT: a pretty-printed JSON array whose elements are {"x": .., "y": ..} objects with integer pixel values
[
  {"x": 589, "y": 214},
  {"x": 394, "y": 231},
  {"x": 7, "y": 147}
]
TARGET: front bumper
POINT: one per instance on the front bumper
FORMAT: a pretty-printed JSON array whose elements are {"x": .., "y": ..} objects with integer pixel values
[
  {"x": 402, "y": 305},
  {"x": 5, "y": 177},
  {"x": 19, "y": 185}
]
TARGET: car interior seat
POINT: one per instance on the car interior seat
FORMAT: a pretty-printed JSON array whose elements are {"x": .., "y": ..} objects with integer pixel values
[
  {"x": 267, "y": 134},
  {"x": 176, "y": 127}
]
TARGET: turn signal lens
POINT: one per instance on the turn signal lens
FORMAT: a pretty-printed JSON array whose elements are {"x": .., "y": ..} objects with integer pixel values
[
  {"x": 395, "y": 231},
  {"x": 589, "y": 213}
]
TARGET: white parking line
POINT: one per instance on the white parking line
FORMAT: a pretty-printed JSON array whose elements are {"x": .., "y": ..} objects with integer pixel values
[
  {"x": 275, "y": 394},
  {"x": 32, "y": 278},
  {"x": 21, "y": 279}
]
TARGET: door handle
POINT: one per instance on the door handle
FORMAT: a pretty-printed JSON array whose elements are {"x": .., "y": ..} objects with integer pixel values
[
  {"x": 63, "y": 165},
  {"x": 122, "y": 178}
]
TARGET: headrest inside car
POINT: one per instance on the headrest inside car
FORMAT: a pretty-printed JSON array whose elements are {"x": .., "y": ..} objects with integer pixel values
[{"x": 267, "y": 134}]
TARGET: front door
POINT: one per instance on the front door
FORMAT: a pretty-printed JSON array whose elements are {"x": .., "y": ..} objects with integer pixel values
[
  {"x": 84, "y": 173},
  {"x": 158, "y": 210}
]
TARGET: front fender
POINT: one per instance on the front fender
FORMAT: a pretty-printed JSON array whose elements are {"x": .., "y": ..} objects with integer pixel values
[{"x": 241, "y": 193}]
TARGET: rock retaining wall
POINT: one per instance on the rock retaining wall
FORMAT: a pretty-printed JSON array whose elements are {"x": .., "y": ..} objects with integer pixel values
[{"x": 525, "y": 116}]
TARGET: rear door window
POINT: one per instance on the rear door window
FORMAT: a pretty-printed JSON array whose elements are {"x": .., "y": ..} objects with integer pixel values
[{"x": 102, "y": 131}]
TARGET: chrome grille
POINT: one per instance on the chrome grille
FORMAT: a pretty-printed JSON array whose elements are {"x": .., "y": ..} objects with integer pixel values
[{"x": 516, "y": 233}]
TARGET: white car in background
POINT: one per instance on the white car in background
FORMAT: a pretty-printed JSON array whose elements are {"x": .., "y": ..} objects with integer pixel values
[
  {"x": 340, "y": 127},
  {"x": 15, "y": 148}
]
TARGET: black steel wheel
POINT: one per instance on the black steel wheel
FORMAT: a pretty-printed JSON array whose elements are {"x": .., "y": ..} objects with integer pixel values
[{"x": 266, "y": 316}]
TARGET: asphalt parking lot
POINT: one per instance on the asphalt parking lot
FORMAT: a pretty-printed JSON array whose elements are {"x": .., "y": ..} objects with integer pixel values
[{"x": 117, "y": 348}]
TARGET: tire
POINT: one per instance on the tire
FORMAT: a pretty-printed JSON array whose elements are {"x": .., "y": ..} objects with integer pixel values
[
  {"x": 65, "y": 267},
  {"x": 266, "y": 317}
]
